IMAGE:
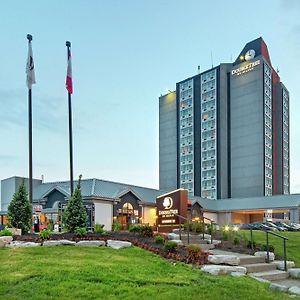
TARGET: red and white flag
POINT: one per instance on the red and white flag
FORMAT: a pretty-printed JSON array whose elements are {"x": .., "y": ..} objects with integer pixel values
[{"x": 69, "y": 83}]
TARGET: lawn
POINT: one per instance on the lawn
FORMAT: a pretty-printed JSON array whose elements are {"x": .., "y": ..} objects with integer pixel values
[
  {"x": 69, "y": 272},
  {"x": 293, "y": 244}
]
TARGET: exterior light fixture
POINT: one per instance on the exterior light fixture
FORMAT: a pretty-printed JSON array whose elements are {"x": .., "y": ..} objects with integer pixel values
[
  {"x": 235, "y": 228},
  {"x": 242, "y": 57},
  {"x": 226, "y": 228}
]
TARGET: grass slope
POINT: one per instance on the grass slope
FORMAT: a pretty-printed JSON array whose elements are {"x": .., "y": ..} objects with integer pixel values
[
  {"x": 102, "y": 273},
  {"x": 293, "y": 244}
]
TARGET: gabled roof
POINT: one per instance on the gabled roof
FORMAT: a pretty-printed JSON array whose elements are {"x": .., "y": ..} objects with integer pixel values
[{"x": 98, "y": 188}]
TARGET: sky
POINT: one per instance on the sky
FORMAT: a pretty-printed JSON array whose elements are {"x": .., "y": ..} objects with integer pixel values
[{"x": 125, "y": 54}]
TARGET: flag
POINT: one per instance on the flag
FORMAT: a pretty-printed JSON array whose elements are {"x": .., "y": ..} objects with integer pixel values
[
  {"x": 30, "y": 78},
  {"x": 69, "y": 83}
]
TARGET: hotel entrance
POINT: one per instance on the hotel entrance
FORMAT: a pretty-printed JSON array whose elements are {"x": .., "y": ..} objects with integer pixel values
[{"x": 127, "y": 215}]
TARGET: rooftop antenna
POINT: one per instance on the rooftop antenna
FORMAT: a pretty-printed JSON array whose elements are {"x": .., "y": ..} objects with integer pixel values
[
  {"x": 199, "y": 70},
  {"x": 211, "y": 57}
]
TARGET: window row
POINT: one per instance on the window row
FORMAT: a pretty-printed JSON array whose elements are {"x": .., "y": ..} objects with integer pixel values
[
  {"x": 209, "y": 95},
  {"x": 186, "y": 85}
]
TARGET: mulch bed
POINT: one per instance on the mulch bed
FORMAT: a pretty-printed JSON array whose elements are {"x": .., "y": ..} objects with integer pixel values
[{"x": 180, "y": 254}]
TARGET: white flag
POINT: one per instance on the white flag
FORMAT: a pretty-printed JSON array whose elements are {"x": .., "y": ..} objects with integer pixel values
[{"x": 30, "y": 80}]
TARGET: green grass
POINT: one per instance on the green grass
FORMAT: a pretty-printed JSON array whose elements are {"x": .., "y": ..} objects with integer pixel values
[
  {"x": 293, "y": 244},
  {"x": 102, "y": 273}
]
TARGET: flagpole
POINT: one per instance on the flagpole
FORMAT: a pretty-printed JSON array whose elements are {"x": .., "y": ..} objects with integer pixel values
[
  {"x": 68, "y": 44},
  {"x": 29, "y": 38}
]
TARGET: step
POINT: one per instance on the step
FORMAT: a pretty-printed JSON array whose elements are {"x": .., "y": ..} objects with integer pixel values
[
  {"x": 271, "y": 275},
  {"x": 247, "y": 260},
  {"x": 259, "y": 267},
  {"x": 204, "y": 247}
]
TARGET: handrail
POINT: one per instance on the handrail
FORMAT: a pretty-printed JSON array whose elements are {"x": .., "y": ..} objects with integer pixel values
[
  {"x": 188, "y": 221},
  {"x": 284, "y": 247}
]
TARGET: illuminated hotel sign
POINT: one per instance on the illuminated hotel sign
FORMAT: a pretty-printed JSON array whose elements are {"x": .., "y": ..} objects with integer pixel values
[
  {"x": 245, "y": 69},
  {"x": 170, "y": 206}
]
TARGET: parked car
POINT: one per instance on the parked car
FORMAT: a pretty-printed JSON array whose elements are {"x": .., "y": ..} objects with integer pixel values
[
  {"x": 287, "y": 226},
  {"x": 279, "y": 228},
  {"x": 296, "y": 226}
]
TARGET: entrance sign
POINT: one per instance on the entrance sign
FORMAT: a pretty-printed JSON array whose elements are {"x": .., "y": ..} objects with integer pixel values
[{"x": 169, "y": 207}]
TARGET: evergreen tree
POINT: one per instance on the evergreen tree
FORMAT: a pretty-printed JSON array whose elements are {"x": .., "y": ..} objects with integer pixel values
[
  {"x": 20, "y": 210},
  {"x": 75, "y": 214}
]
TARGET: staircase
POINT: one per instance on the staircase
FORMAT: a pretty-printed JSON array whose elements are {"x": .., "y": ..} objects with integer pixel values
[{"x": 197, "y": 240}]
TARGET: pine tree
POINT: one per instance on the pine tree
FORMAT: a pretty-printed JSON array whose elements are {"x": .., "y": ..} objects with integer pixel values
[
  {"x": 20, "y": 210},
  {"x": 75, "y": 214}
]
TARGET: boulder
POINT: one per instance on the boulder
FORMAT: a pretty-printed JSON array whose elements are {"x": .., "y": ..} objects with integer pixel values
[
  {"x": 15, "y": 231},
  {"x": 6, "y": 239},
  {"x": 17, "y": 244},
  {"x": 280, "y": 264},
  {"x": 295, "y": 290},
  {"x": 279, "y": 287},
  {"x": 90, "y": 243},
  {"x": 222, "y": 270},
  {"x": 214, "y": 242},
  {"x": 53, "y": 243},
  {"x": 264, "y": 254},
  {"x": 68, "y": 243},
  {"x": 231, "y": 260},
  {"x": 294, "y": 273},
  {"x": 173, "y": 236},
  {"x": 237, "y": 274},
  {"x": 118, "y": 244}
]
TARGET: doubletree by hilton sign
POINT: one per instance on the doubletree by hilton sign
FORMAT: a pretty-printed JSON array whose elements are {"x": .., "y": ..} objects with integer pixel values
[
  {"x": 246, "y": 68},
  {"x": 170, "y": 206}
]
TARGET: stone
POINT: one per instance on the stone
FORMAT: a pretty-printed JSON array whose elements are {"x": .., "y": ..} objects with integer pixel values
[
  {"x": 231, "y": 260},
  {"x": 2, "y": 244},
  {"x": 17, "y": 244},
  {"x": 173, "y": 236},
  {"x": 237, "y": 274},
  {"x": 279, "y": 287},
  {"x": 68, "y": 243},
  {"x": 178, "y": 242},
  {"x": 90, "y": 243},
  {"x": 222, "y": 270},
  {"x": 118, "y": 244},
  {"x": 294, "y": 273},
  {"x": 264, "y": 254},
  {"x": 52, "y": 243},
  {"x": 295, "y": 290},
  {"x": 214, "y": 242},
  {"x": 280, "y": 264},
  {"x": 6, "y": 239},
  {"x": 260, "y": 279},
  {"x": 206, "y": 236},
  {"x": 15, "y": 231}
]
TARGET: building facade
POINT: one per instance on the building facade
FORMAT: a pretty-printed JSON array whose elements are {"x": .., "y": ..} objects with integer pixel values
[{"x": 232, "y": 124}]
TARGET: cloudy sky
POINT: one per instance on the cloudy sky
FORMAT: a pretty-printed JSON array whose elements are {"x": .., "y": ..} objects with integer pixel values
[{"x": 125, "y": 54}]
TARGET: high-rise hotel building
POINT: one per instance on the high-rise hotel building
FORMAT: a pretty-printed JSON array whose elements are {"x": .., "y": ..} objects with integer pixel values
[{"x": 224, "y": 133}]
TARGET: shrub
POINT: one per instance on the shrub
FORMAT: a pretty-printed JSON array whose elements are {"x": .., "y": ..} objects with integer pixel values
[
  {"x": 5, "y": 232},
  {"x": 236, "y": 240},
  {"x": 116, "y": 226},
  {"x": 170, "y": 246},
  {"x": 225, "y": 235},
  {"x": 194, "y": 253},
  {"x": 45, "y": 234},
  {"x": 271, "y": 248},
  {"x": 135, "y": 228},
  {"x": 198, "y": 227},
  {"x": 210, "y": 228},
  {"x": 159, "y": 239},
  {"x": 80, "y": 231},
  {"x": 75, "y": 213},
  {"x": 147, "y": 231},
  {"x": 249, "y": 244},
  {"x": 20, "y": 210},
  {"x": 99, "y": 228}
]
